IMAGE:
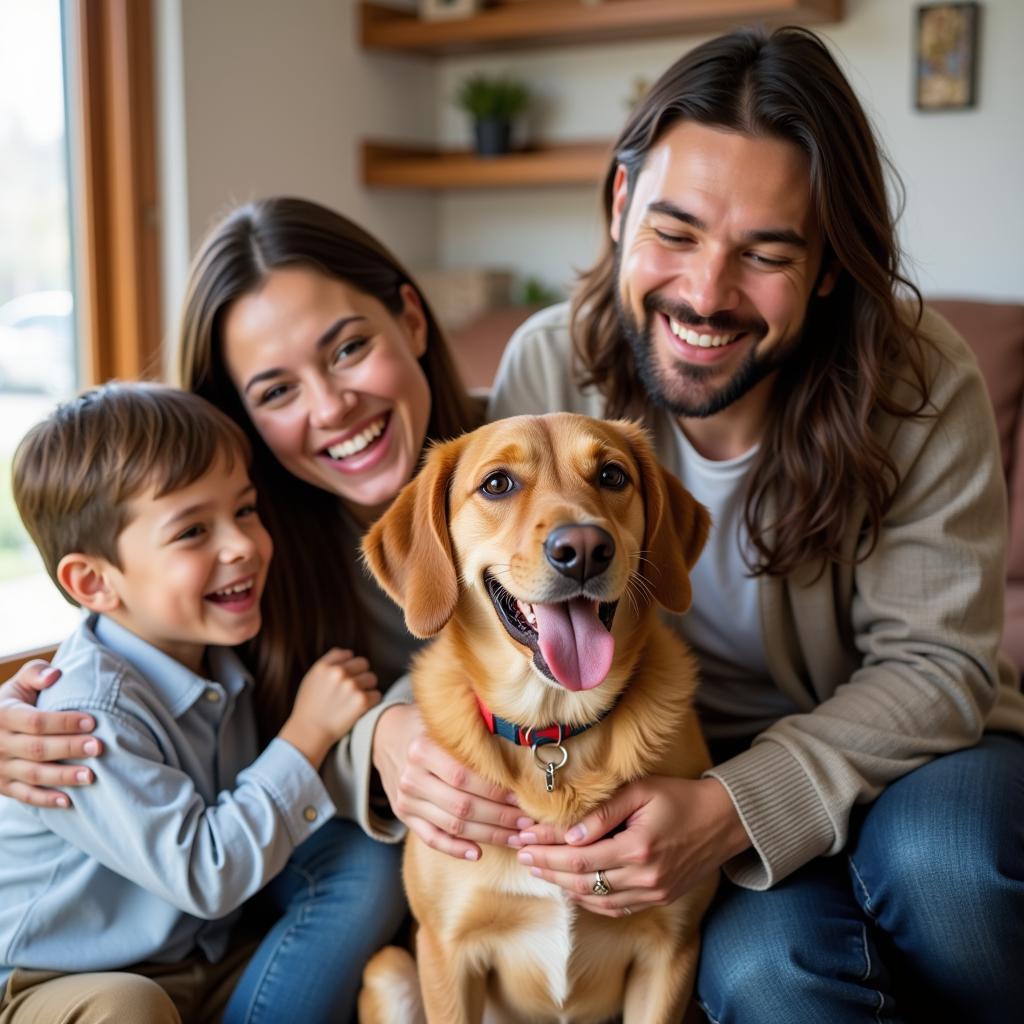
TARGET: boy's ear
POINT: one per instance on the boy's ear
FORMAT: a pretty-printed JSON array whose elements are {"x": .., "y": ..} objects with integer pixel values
[{"x": 86, "y": 579}]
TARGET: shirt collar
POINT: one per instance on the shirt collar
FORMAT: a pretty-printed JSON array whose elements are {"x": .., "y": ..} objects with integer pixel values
[{"x": 178, "y": 687}]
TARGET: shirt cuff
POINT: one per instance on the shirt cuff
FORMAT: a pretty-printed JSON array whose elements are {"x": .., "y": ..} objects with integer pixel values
[
  {"x": 295, "y": 787},
  {"x": 350, "y": 772},
  {"x": 785, "y": 818}
]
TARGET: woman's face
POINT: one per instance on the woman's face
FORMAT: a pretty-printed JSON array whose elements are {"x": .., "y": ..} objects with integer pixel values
[{"x": 332, "y": 382}]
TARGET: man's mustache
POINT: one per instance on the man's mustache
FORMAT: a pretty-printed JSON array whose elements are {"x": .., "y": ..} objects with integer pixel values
[{"x": 720, "y": 323}]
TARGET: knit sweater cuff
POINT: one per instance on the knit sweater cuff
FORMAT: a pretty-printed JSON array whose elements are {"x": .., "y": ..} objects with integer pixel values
[{"x": 785, "y": 818}]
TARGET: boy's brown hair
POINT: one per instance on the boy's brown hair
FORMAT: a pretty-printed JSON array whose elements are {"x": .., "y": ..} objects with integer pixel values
[{"x": 75, "y": 472}]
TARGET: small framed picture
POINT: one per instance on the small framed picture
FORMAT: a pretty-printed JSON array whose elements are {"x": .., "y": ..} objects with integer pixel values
[
  {"x": 947, "y": 56},
  {"x": 442, "y": 10}
]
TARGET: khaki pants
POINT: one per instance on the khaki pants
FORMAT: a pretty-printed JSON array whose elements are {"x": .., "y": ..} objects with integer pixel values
[{"x": 190, "y": 992}]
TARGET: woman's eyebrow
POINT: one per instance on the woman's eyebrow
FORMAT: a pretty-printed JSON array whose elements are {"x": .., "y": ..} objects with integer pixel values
[
  {"x": 325, "y": 339},
  {"x": 335, "y": 329}
]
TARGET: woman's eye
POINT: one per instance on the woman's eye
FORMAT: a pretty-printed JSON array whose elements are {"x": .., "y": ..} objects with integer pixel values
[
  {"x": 246, "y": 510},
  {"x": 613, "y": 476},
  {"x": 273, "y": 393},
  {"x": 498, "y": 484},
  {"x": 348, "y": 349}
]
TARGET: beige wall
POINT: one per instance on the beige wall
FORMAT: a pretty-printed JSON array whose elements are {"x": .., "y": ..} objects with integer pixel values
[
  {"x": 263, "y": 96},
  {"x": 963, "y": 170}
]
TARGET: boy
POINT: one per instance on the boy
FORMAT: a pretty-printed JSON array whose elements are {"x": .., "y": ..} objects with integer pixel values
[{"x": 139, "y": 500}]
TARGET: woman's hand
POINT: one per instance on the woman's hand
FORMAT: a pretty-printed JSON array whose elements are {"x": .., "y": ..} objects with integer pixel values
[
  {"x": 449, "y": 807},
  {"x": 677, "y": 832},
  {"x": 30, "y": 739}
]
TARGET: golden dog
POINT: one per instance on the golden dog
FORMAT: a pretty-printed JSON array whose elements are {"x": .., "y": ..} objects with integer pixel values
[{"x": 536, "y": 549}]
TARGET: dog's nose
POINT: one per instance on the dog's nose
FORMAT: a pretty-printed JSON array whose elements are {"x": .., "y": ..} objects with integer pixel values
[{"x": 579, "y": 551}]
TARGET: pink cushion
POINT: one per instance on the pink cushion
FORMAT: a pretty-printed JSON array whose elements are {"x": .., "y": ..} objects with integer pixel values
[
  {"x": 1015, "y": 555},
  {"x": 995, "y": 331},
  {"x": 1013, "y": 624},
  {"x": 477, "y": 347}
]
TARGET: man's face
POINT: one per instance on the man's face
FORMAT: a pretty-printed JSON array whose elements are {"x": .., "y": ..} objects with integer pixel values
[{"x": 719, "y": 254}]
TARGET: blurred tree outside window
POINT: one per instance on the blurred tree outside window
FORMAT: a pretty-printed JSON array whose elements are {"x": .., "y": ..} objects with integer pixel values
[{"x": 38, "y": 345}]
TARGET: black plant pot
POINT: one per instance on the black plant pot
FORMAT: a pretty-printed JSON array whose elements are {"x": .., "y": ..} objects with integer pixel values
[{"x": 493, "y": 136}]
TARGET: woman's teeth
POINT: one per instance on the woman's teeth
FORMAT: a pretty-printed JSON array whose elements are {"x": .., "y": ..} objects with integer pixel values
[
  {"x": 238, "y": 588},
  {"x": 691, "y": 337},
  {"x": 354, "y": 445}
]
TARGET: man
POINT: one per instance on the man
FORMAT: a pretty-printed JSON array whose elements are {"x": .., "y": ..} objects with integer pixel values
[{"x": 867, "y": 802}]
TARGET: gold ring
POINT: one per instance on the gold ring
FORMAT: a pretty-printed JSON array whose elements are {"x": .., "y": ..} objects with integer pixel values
[{"x": 600, "y": 886}]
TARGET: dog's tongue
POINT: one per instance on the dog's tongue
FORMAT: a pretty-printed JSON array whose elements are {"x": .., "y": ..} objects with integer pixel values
[{"x": 574, "y": 643}]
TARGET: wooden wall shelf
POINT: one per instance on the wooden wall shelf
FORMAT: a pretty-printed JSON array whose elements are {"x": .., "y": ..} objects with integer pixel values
[
  {"x": 573, "y": 163},
  {"x": 568, "y": 22}
]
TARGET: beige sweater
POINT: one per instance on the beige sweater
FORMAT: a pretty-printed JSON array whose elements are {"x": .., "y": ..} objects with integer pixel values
[{"x": 891, "y": 661}]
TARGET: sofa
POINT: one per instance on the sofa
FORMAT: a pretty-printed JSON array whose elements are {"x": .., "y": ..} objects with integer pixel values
[{"x": 995, "y": 331}]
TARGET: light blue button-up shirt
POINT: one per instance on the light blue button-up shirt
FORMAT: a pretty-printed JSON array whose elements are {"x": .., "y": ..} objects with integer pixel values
[{"x": 183, "y": 823}]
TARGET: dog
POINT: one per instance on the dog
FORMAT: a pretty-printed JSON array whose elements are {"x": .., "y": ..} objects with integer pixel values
[{"x": 536, "y": 550}]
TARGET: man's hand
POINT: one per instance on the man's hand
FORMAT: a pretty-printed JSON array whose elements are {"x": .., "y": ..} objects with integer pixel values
[{"x": 677, "y": 832}]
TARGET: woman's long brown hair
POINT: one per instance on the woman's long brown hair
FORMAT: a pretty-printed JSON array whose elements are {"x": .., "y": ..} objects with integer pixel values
[
  {"x": 308, "y": 604},
  {"x": 859, "y": 346}
]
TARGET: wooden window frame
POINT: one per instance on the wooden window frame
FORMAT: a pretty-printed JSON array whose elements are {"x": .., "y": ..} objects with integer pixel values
[{"x": 116, "y": 238}]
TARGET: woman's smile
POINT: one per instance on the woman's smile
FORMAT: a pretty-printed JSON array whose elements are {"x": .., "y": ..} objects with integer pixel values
[{"x": 332, "y": 381}]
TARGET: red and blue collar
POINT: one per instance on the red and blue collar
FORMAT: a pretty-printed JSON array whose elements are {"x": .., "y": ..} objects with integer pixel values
[{"x": 528, "y": 736}]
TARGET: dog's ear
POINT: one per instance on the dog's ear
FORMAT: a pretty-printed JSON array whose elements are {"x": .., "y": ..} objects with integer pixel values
[
  {"x": 409, "y": 549},
  {"x": 676, "y": 525}
]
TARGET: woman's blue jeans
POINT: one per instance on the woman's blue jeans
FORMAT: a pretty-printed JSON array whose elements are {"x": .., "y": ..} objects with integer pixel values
[
  {"x": 340, "y": 899},
  {"x": 919, "y": 919}
]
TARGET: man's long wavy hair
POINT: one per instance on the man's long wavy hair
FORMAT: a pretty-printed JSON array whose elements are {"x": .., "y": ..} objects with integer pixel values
[
  {"x": 859, "y": 343},
  {"x": 309, "y": 603}
]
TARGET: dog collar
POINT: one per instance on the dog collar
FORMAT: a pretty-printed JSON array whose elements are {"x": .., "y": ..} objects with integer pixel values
[{"x": 530, "y": 737}]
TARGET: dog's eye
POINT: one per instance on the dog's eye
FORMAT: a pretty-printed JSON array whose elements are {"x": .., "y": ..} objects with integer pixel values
[
  {"x": 613, "y": 476},
  {"x": 498, "y": 484}
]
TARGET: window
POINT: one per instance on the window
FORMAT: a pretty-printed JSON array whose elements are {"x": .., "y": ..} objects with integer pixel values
[
  {"x": 38, "y": 346},
  {"x": 78, "y": 244}
]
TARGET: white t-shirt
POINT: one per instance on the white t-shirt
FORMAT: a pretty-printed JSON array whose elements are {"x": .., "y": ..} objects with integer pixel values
[{"x": 723, "y": 626}]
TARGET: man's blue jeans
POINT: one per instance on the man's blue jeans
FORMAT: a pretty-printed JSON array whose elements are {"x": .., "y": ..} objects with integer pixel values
[
  {"x": 920, "y": 919},
  {"x": 340, "y": 898}
]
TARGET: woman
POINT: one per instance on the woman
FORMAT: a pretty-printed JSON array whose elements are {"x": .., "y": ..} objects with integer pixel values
[{"x": 307, "y": 332}]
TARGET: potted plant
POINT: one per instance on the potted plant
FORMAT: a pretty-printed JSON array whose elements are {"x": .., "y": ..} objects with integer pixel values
[{"x": 493, "y": 103}]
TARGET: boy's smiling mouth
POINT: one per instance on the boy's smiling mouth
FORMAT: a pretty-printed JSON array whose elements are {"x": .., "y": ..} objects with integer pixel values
[{"x": 235, "y": 596}]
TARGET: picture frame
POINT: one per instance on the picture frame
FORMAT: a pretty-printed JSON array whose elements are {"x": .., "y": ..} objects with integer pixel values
[{"x": 946, "y": 56}]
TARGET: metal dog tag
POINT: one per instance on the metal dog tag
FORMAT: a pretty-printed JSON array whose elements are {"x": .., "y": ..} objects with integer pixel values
[{"x": 549, "y": 767}]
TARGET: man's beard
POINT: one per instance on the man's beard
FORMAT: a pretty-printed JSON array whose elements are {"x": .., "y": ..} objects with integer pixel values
[{"x": 683, "y": 395}]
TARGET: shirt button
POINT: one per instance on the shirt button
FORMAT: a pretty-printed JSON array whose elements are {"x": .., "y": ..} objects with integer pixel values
[
  {"x": 309, "y": 814},
  {"x": 212, "y": 696}
]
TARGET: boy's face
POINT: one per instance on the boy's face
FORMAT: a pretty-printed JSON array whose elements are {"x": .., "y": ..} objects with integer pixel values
[{"x": 194, "y": 563}]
